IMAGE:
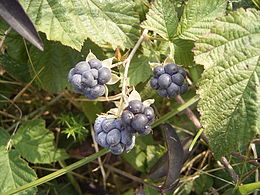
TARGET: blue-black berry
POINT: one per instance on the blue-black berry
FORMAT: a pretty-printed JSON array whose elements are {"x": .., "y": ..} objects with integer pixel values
[
  {"x": 138, "y": 118},
  {"x": 113, "y": 135},
  {"x": 88, "y": 78},
  {"x": 169, "y": 80}
]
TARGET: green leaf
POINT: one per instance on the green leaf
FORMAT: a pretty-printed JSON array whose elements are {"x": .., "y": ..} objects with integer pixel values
[
  {"x": 139, "y": 157},
  {"x": 59, "y": 173},
  {"x": 56, "y": 60},
  {"x": 139, "y": 70},
  {"x": 15, "y": 172},
  {"x": 16, "y": 47},
  {"x": 229, "y": 88},
  {"x": 71, "y": 22},
  {"x": 4, "y": 137},
  {"x": 249, "y": 188},
  {"x": 198, "y": 16},
  {"x": 91, "y": 109},
  {"x": 162, "y": 19},
  {"x": 202, "y": 184},
  {"x": 141, "y": 8},
  {"x": 183, "y": 52},
  {"x": 19, "y": 71},
  {"x": 35, "y": 143},
  {"x": 154, "y": 152},
  {"x": 149, "y": 190}
]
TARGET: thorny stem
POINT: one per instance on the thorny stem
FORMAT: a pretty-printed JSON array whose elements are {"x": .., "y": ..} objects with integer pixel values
[
  {"x": 126, "y": 63},
  {"x": 198, "y": 125}
]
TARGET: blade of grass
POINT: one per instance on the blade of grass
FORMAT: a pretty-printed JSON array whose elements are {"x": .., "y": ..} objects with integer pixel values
[
  {"x": 195, "y": 139},
  {"x": 182, "y": 107},
  {"x": 58, "y": 173}
]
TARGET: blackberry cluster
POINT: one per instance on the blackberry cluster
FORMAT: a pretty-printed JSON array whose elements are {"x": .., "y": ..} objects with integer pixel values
[
  {"x": 138, "y": 118},
  {"x": 169, "y": 80},
  {"x": 112, "y": 135},
  {"x": 88, "y": 78}
]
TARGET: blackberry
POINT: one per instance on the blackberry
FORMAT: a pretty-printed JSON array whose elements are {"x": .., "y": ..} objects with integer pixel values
[
  {"x": 137, "y": 118},
  {"x": 169, "y": 80},
  {"x": 112, "y": 135},
  {"x": 88, "y": 78}
]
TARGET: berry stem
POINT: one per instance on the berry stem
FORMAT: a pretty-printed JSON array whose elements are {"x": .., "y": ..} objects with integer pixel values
[{"x": 126, "y": 64}]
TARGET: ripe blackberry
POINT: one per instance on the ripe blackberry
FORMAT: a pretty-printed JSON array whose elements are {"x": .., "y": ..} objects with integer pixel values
[
  {"x": 89, "y": 77},
  {"x": 169, "y": 80}
]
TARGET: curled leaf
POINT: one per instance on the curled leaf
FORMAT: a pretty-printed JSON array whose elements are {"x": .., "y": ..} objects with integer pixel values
[
  {"x": 134, "y": 95},
  {"x": 175, "y": 157},
  {"x": 114, "y": 79},
  {"x": 148, "y": 102},
  {"x": 90, "y": 56}
]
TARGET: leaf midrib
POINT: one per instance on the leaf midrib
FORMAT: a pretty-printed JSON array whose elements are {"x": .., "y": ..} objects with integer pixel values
[
  {"x": 200, "y": 20},
  {"x": 121, "y": 31},
  {"x": 229, "y": 41},
  {"x": 243, "y": 93},
  {"x": 9, "y": 165}
]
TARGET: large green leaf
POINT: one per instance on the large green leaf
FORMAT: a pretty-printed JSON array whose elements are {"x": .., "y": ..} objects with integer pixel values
[
  {"x": 15, "y": 172},
  {"x": 35, "y": 143},
  {"x": 55, "y": 62},
  {"x": 162, "y": 19},
  {"x": 139, "y": 70},
  {"x": 230, "y": 86},
  {"x": 198, "y": 16},
  {"x": 182, "y": 52},
  {"x": 19, "y": 71},
  {"x": 111, "y": 22},
  {"x": 4, "y": 137}
]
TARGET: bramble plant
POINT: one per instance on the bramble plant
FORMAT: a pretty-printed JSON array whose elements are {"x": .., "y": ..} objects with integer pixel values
[{"x": 140, "y": 96}]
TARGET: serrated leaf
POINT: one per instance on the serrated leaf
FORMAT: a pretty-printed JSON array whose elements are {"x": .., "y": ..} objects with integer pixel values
[
  {"x": 15, "y": 172},
  {"x": 230, "y": 86},
  {"x": 139, "y": 70},
  {"x": 162, "y": 19},
  {"x": 56, "y": 61},
  {"x": 70, "y": 22},
  {"x": 36, "y": 144},
  {"x": 20, "y": 71},
  {"x": 183, "y": 52},
  {"x": 198, "y": 16}
]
